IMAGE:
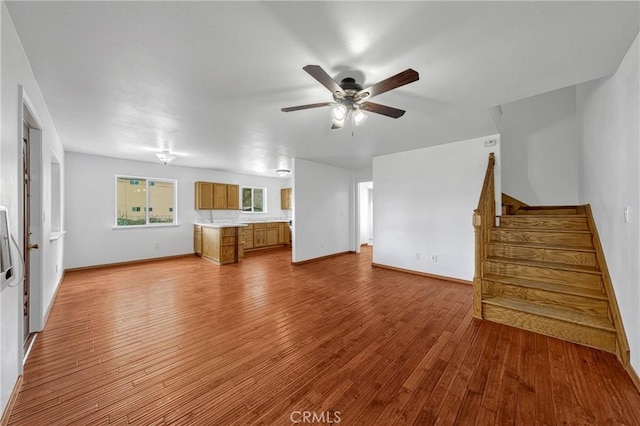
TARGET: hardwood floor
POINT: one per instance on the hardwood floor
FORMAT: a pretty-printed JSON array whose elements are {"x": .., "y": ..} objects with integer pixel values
[{"x": 184, "y": 341}]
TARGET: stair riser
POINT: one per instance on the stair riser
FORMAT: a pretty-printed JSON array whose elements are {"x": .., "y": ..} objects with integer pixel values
[
  {"x": 584, "y": 335},
  {"x": 558, "y": 276},
  {"x": 542, "y": 212},
  {"x": 544, "y": 255},
  {"x": 549, "y": 298},
  {"x": 578, "y": 240},
  {"x": 539, "y": 221}
]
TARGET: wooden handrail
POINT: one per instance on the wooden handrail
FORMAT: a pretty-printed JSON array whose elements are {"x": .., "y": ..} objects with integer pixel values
[{"x": 484, "y": 218}]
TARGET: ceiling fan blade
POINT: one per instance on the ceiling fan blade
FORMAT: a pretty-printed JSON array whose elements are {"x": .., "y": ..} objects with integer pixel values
[
  {"x": 298, "y": 108},
  {"x": 400, "y": 79},
  {"x": 382, "y": 109},
  {"x": 323, "y": 78}
]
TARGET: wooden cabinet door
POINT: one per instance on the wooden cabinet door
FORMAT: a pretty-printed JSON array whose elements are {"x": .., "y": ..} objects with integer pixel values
[
  {"x": 272, "y": 234},
  {"x": 287, "y": 234},
  {"x": 203, "y": 195},
  {"x": 228, "y": 245},
  {"x": 233, "y": 197},
  {"x": 248, "y": 237},
  {"x": 281, "y": 227},
  {"x": 211, "y": 242},
  {"x": 285, "y": 199},
  {"x": 259, "y": 236},
  {"x": 219, "y": 196},
  {"x": 197, "y": 239}
]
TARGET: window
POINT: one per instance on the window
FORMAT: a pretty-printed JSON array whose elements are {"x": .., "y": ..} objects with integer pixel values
[
  {"x": 254, "y": 199},
  {"x": 145, "y": 201}
]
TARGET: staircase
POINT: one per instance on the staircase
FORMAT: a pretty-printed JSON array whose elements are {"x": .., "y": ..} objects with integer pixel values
[
  {"x": 543, "y": 269},
  {"x": 541, "y": 273}
]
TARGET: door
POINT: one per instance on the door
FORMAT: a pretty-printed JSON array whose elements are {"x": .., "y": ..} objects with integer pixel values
[{"x": 26, "y": 234}]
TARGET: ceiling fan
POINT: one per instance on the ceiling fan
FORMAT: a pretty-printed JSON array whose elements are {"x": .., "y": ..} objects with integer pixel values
[{"x": 350, "y": 99}]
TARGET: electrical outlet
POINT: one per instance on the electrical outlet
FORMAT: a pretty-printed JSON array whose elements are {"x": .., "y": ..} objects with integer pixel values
[
  {"x": 417, "y": 256},
  {"x": 626, "y": 214},
  {"x": 157, "y": 245},
  {"x": 434, "y": 257}
]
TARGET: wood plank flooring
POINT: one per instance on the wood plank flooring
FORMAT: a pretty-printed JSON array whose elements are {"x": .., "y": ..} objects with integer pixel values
[{"x": 184, "y": 341}]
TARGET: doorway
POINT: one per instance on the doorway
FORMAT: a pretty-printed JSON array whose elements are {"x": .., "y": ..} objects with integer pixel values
[
  {"x": 365, "y": 200},
  {"x": 31, "y": 148}
]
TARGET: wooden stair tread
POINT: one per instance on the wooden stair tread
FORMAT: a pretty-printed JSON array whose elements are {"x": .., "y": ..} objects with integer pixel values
[
  {"x": 542, "y": 230},
  {"x": 541, "y": 285},
  {"x": 542, "y": 246},
  {"x": 549, "y": 216},
  {"x": 549, "y": 265},
  {"x": 574, "y": 317}
]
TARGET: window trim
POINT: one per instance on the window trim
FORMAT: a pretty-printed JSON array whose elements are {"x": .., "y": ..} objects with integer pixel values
[
  {"x": 146, "y": 206},
  {"x": 264, "y": 199}
]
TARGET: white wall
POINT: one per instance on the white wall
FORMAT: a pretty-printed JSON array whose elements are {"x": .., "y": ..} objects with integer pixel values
[
  {"x": 90, "y": 201},
  {"x": 610, "y": 180},
  {"x": 324, "y": 197},
  {"x": 423, "y": 203},
  {"x": 15, "y": 71},
  {"x": 540, "y": 148}
]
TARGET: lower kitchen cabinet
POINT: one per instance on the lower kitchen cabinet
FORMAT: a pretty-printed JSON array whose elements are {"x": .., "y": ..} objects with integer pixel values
[
  {"x": 266, "y": 234},
  {"x": 221, "y": 245},
  {"x": 259, "y": 235},
  {"x": 197, "y": 239}
]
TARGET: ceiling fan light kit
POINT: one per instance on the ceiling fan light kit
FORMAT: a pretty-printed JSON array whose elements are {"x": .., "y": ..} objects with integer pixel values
[{"x": 349, "y": 97}]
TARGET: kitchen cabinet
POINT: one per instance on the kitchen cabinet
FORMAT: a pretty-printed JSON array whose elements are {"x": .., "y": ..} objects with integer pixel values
[
  {"x": 285, "y": 199},
  {"x": 197, "y": 239},
  {"x": 233, "y": 197},
  {"x": 265, "y": 235},
  {"x": 248, "y": 237},
  {"x": 284, "y": 233},
  {"x": 217, "y": 196},
  {"x": 203, "y": 195},
  {"x": 220, "y": 245},
  {"x": 241, "y": 242},
  {"x": 272, "y": 234},
  {"x": 259, "y": 235}
]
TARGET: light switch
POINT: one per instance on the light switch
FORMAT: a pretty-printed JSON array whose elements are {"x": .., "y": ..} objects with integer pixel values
[{"x": 626, "y": 214}]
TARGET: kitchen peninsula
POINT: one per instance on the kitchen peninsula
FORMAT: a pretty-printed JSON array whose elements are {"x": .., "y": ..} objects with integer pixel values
[
  {"x": 226, "y": 242},
  {"x": 221, "y": 243}
]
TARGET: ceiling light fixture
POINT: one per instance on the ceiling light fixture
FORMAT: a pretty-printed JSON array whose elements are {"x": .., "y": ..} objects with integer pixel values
[
  {"x": 340, "y": 112},
  {"x": 165, "y": 157},
  {"x": 358, "y": 117},
  {"x": 284, "y": 173}
]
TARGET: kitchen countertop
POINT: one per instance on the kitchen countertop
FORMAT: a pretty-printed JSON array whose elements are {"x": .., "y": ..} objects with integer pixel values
[
  {"x": 222, "y": 225},
  {"x": 239, "y": 223}
]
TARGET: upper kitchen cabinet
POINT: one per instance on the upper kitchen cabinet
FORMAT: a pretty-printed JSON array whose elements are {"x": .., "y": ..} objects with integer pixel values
[
  {"x": 233, "y": 197},
  {"x": 216, "y": 196},
  {"x": 285, "y": 199},
  {"x": 204, "y": 196}
]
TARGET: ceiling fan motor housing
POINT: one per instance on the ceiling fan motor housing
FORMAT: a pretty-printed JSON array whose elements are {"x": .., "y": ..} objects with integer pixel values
[{"x": 348, "y": 97}]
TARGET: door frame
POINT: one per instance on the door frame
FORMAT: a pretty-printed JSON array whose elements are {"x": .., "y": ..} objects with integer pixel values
[{"x": 27, "y": 113}]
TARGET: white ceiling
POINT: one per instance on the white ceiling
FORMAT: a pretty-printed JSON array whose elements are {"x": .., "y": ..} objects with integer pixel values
[{"x": 207, "y": 79}]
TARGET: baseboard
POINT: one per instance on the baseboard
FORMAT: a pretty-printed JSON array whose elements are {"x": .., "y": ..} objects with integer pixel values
[
  {"x": 129, "y": 262},
  {"x": 4, "y": 421},
  {"x": 45, "y": 318},
  {"x": 302, "y": 262},
  {"x": 633, "y": 375},
  {"x": 423, "y": 274},
  {"x": 246, "y": 250}
]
